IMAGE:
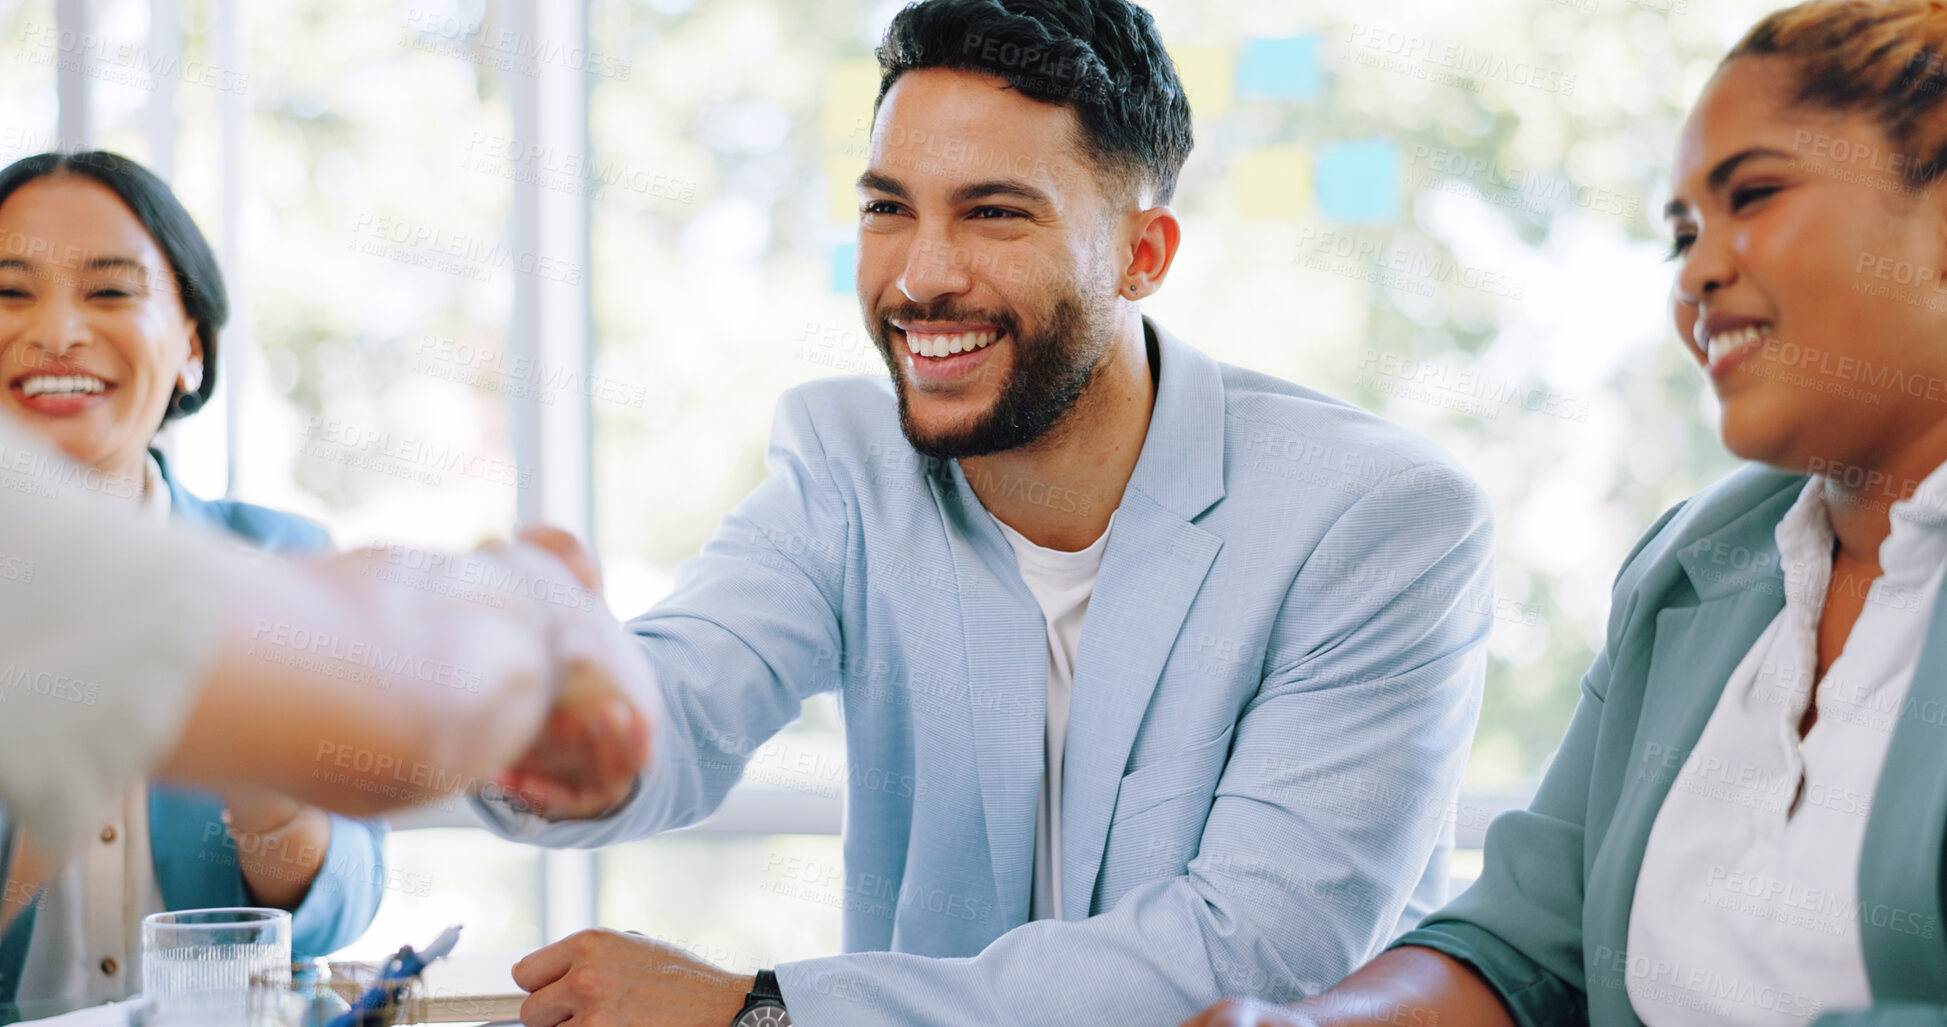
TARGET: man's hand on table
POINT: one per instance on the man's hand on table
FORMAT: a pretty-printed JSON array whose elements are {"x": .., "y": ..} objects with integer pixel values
[
  {"x": 603, "y": 978},
  {"x": 595, "y": 740}
]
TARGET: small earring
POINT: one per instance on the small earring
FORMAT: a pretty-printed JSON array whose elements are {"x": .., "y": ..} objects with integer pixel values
[{"x": 192, "y": 377}]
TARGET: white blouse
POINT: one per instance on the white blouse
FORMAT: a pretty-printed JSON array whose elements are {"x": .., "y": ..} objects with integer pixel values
[
  {"x": 1747, "y": 906},
  {"x": 87, "y": 941}
]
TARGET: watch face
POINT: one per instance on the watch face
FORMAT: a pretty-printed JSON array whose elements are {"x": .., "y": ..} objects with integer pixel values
[{"x": 764, "y": 1014}]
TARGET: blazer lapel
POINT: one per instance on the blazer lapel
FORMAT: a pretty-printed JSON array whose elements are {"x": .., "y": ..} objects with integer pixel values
[
  {"x": 1900, "y": 863},
  {"x": 1005, "y": 640},
  {"x": 1153, "y": 566},
  {"x": 1695, "y": 651},
  {"x": 1692, "y": 655},
  {"x": 1152, "y": 569}
]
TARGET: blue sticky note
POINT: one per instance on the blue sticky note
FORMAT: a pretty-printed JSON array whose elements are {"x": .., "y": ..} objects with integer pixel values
[
  {"x": 844, "y": 257},
  {"x": 1358, "y": 181},
  {"x": 1286, "y": 68}
]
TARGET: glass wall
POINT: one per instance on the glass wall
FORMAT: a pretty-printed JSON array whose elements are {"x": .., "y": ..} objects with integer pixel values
[{"x": 28, "y": 108}]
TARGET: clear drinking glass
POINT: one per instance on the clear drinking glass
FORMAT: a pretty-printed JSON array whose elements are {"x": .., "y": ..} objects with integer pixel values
[{"x": 213, "y": 966}]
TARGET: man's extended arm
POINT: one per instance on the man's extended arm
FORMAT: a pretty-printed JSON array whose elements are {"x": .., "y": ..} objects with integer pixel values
[{"x": 135, "y": 647}]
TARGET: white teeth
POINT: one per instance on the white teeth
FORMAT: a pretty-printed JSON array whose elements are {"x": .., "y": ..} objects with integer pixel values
[
  {"x": 1724, "y": 343},
  {"x": 42, "y": 384},
  {"x": 941, "y": 345}
]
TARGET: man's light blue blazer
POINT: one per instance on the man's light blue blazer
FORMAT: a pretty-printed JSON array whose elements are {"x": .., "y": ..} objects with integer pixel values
[{"x": 1275, "y": 693}]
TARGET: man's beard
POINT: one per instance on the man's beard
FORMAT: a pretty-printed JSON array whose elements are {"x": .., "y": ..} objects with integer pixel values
[{"x": 1050, "y": 372}]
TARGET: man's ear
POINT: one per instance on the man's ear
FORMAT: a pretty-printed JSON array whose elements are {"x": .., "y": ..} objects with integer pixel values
[{"x": 1154, "y": 237}]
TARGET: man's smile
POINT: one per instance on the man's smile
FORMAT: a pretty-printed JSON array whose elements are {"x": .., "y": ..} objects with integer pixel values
[{"x": 940, "y": 354}]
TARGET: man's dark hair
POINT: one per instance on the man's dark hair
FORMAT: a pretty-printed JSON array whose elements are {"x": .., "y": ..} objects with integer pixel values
[
  {"x": 192, "y": 263},
  {"x": 1101, "y": 58}
]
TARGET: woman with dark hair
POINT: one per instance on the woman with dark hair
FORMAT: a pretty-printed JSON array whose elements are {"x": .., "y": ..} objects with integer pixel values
[
  {"x": 1747, "y": 819},
  {"x": 110, "y": 305}
]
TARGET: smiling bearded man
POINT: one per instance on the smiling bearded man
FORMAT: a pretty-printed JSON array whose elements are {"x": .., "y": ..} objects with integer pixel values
[{"x": 1157, "y": 674}]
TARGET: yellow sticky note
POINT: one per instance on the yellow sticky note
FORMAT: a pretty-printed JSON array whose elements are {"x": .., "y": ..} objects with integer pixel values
[
  {"x": 850, "y": 88},
  {"x": 1209, "y": 77},
  {"x": 842, "y": 173},
  {"x": 1274, "y": 182}
]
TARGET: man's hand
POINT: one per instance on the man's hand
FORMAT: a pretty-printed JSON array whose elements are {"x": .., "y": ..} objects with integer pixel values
[
  {"x": 585, "y": 762},
  {"x": 1232, "y": 1012},
  {"x": 595, "y": 740},
  {"x": 603, "y": 978}
]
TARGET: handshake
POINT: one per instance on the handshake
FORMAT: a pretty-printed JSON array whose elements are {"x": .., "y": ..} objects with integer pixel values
[
  {"x": 434, "y": 673},
  {"x": 594, "y": 740},
  {"x": 500, "y": 668}
]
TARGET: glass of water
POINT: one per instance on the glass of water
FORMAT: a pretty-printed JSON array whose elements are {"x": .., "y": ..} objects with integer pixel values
[{"x": 215, "y": 966}]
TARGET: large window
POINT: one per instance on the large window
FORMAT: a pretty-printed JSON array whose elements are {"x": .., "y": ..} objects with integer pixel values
[
  {"x": 458, "y": 230},
  {"x": 29, "y": 110}
]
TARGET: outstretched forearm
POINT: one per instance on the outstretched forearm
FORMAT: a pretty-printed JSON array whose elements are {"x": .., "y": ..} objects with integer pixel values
[
  {"x": 227, "y": 668},
  {"x": 382, "y": 665}
]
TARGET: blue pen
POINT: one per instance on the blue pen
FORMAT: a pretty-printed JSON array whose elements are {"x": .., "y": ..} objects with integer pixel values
[{"x": 393, "y": 978}]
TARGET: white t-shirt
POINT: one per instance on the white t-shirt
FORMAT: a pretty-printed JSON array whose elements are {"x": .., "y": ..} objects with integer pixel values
[
  {"x": 109, "y": 623},
  {"x": 1747, "y": 907},
  {"x": 1062, "y": 583}
]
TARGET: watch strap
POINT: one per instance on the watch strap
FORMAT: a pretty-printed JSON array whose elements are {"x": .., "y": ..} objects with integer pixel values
[{"x": 764, "y": 996}]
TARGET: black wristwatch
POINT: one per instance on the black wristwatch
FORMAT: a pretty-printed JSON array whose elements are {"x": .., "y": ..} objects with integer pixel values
[{"x": 764, "y": 1006}]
